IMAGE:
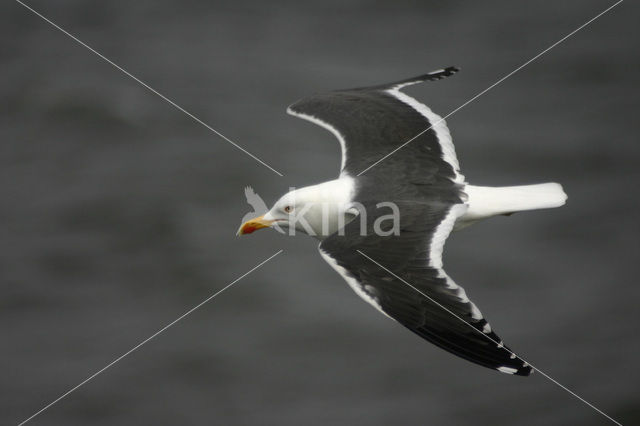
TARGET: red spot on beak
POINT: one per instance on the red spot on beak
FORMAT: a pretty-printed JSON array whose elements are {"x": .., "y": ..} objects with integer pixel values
[{"x": 253, "y": 225}]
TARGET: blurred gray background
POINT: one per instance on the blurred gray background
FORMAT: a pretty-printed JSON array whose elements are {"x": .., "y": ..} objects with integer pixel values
[{"x": 119, "y": 213}]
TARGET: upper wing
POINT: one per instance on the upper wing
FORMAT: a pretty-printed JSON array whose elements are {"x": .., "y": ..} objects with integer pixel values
[
  {"x": 402, "y": 276},
  {"x": 371, "y": 122}
]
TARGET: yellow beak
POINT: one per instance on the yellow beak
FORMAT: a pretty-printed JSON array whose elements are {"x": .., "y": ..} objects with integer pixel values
[{"x": 253, "y": 225}]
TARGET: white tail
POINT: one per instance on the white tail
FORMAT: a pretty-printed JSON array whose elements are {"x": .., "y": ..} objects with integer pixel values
[{"x": 486, "y": 201}]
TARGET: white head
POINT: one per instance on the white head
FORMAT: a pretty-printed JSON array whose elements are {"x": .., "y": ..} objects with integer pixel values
[{"x": 317, "y": 210}]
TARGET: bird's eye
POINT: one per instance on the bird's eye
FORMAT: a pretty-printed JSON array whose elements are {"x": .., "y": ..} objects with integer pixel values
[{"x": 287, "y": 209}]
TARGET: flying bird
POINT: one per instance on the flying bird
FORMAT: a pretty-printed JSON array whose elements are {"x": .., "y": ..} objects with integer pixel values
[{"x": 396, "y": 150}]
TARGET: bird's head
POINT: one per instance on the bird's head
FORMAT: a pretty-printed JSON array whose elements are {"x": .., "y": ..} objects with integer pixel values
[
  {"x": 283, "y": 214},
  {"x": 309, "y": 210}
]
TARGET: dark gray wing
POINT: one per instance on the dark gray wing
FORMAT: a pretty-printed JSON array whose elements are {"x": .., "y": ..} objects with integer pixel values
[
  {"x": 380, "y": 270},
  {"x": 371, "y": 122}
]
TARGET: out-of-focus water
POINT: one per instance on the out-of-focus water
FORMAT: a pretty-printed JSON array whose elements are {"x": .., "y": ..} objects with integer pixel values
[{"x": 119, "y": 213}]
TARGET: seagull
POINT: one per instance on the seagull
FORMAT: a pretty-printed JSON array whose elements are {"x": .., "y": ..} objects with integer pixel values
[{"x": 401, "y": 273}]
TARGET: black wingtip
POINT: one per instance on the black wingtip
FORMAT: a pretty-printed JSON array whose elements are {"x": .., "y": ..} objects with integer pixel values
[
  {"x": 430, "y": 76},
  {"x": 525, "y": 371},
  {"x": 440, "y": 74}
]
